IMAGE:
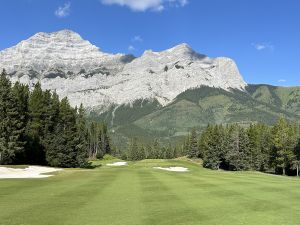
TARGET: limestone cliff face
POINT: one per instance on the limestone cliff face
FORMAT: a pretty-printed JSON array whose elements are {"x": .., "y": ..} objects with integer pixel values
[{"x": 73, "y": 67}]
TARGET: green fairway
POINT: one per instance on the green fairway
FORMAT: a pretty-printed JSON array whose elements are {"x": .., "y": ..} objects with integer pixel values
[{"x": 139, "y": 194}]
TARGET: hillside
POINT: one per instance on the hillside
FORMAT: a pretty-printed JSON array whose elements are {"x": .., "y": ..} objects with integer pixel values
[
  {"x": 200, "y": 107},
  {"x": 157, "y": 95}
]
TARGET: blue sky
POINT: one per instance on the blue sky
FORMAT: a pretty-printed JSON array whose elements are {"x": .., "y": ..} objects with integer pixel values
[{"x": 262, "y": 36}]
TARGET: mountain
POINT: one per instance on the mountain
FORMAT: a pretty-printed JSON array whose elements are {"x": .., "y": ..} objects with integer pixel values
[
  {"x": 196, "y": 108},
  {"x": 61, "y": 54},
  {"x": 64, "y": 62},
  {"x": 157, "y": 95}
]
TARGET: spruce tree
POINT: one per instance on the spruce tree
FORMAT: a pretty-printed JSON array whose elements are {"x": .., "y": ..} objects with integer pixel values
[
  {"x": 296, "y": 162},
  {"x": 211, "y": 144},
  {"x": 283, "y": 141},
  {"x": 105, "y": 140},
  {"x": 61, "y": 148},
  {"x": 156, "y": 149},
  {"x": 238, "y": 154},
  {"x": 133, "y": 150},
  {"x": 82, "y": 138},
  {"x": 93, "y": 140},
  {"x": 11, "y": 122},
  {"x": 35, "y": 131},
  {"x": 21, "y": 92},
  {"x": 193, "y": 151}
]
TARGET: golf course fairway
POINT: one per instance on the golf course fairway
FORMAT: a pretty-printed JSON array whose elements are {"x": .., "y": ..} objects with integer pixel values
[{"x": 138, "y": 193}]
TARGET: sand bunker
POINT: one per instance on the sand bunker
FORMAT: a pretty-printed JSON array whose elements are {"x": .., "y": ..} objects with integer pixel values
[
  {"x": 173, "y": 168},
  {"x": 117, "y": 164},
  {"x": 29, "y": 172}
]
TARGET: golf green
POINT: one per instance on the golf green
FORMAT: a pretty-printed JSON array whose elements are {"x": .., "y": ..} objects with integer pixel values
[{"x": 139, "y": 194}]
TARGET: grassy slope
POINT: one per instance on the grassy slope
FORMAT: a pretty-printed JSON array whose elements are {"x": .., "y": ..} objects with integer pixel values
[{"x": 139, "y": 194}]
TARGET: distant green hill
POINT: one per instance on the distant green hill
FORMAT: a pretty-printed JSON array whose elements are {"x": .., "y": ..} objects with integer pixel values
[{"x": 198, "y": 108}]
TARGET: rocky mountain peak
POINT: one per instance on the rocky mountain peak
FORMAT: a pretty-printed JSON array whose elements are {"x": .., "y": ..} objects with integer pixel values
[
  {"x": 63, "y": 53},
  {"x": 60, "y": 35},
  {"x": 183, "y": 47},
  {"x": 65, "y": 62}
]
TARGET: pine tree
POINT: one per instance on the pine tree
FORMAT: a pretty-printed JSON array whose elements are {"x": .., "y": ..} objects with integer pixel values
[
  {"x": 93, "y": 141},
  {"x": 35, "y": 132},
  {"x": 169, "y": 152},
  {"x": 61, "y": 148},
  {"x": 156, "y": 149},
  {"x": 105, "y": 140},
  {"x": 21, "y": 92},
  {"x": 254, "y": 146},
  {"x": 149, "y": 152},
  {"x": 283, "y": 141},
  {"x": 212, "y": 146},
  {"x": 11, "y": 123},
  {"x": 100, "y": 142},
  {"x": 82, "y": 139},
  {"x": 186, "y": 145},
  {"x": 238, "y": 154},
  {"x": 141, "y": 152},
  {"x": 296, "y": 162},
  {"x": 133, "y": 150},
  {"x": 193, "y": 151}
]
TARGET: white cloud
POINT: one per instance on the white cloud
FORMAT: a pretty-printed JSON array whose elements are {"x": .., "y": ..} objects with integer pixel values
[
  {"x": 282, "y": 81},
  {"x": 178, "y": 3},
  {"x": 144, "y": 5},
  {"x": 137, "y": 38},
  {"x": 131, "y": 48},
  {"x": 263, "y": 46},
  {"x": 63, "y": 11}
]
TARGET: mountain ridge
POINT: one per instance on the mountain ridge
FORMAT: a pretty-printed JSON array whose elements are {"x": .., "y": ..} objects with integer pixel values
[
  {"x": 159, "y": 95},
  {"x": 73, "y": 67}
]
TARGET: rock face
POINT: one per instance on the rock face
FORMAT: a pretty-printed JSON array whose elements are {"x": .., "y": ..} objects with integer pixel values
[
  {"x": 75, "y": 68},
  {"x": 59, "y": 54}
]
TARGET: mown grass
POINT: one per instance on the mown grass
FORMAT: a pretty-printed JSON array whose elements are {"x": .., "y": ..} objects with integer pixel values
[{"x": 139, "y": 194}]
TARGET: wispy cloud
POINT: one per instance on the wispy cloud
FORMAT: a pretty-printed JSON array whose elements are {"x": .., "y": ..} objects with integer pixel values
[
  {"x": 137, "y": 38},
  {"x": 263, "y": 46},
  {"x": 144, "y": 5},
  {"x": 178, "y": 3},
  {"x": 131, "y": 48},
  {"x": 63, "y": 11},
  {"x": 282, "y": 81}
]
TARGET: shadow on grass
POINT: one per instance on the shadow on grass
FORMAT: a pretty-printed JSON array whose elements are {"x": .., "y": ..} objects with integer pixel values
[{"x": 91, "y": 166}]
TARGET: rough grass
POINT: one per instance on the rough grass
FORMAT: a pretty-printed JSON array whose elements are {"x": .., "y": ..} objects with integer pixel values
[{"x": 138, "y": 194}]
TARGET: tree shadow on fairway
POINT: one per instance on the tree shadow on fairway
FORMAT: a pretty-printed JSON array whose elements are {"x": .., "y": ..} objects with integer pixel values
[{"x": 92, "y": 166}]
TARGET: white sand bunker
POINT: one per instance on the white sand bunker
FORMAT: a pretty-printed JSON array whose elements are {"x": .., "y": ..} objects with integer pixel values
[
  {"x": 173, "y": 169},
  {"x": 117, "y": 164},
  {"x": 29, "y": 172}
]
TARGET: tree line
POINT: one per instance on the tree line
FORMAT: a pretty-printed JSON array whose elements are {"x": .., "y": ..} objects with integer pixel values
[
  {"x": 136, "y": 150},
  {"x": 257, "y": 147},
  {"x": 36, "y": 127}
]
